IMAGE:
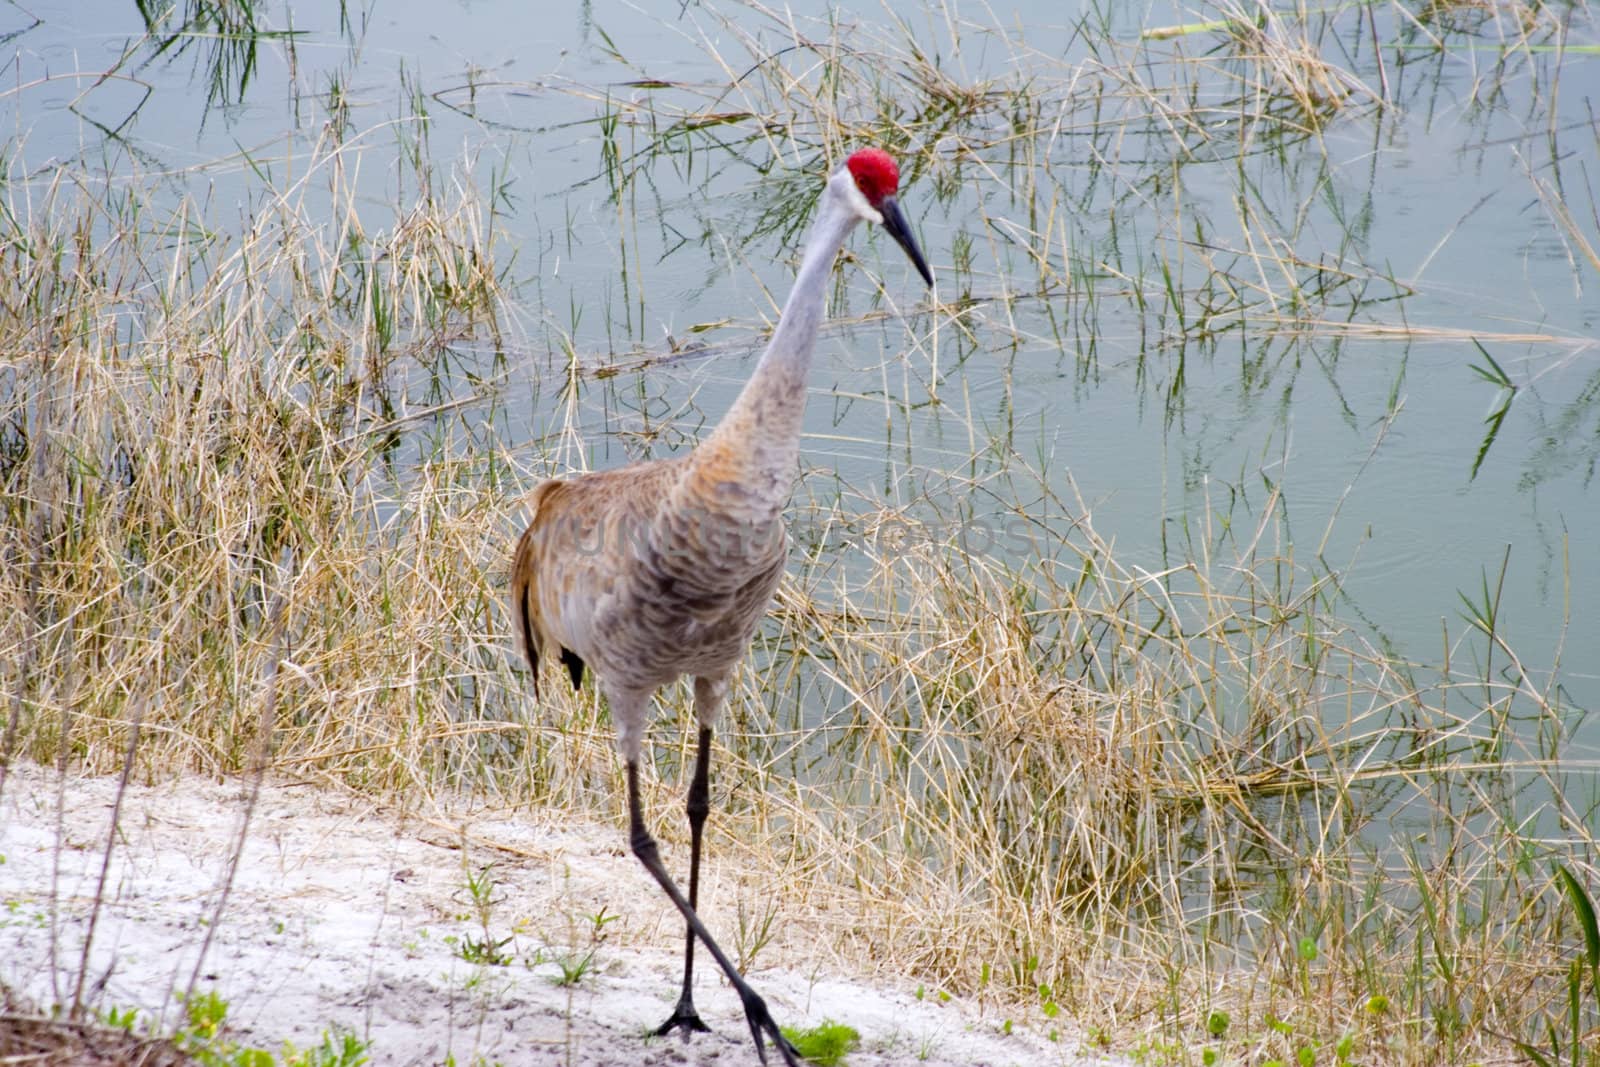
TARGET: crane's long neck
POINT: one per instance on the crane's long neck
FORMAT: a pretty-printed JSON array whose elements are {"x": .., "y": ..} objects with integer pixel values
[{"x": 747, "y": 465}]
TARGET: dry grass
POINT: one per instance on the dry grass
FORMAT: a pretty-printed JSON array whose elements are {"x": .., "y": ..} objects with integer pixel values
[
  {"x": 1157, "y": 794},
  {"x": 183, "y": 410},
  {"x": 1144, "y": 791}
]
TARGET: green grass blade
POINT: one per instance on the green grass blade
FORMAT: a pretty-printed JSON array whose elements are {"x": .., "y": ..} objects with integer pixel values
[
  {"x": 1539, "y": 1058},
  {"x": 1586, "y": 917}
]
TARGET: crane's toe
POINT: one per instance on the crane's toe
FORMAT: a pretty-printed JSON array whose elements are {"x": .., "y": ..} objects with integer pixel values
[
  {"x": 683, "y": 1017},
  {"x": 755, "y": 1010}
]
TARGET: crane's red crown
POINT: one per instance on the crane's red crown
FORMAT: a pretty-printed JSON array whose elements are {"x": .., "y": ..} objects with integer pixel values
[{"x": 876, "y": 174}]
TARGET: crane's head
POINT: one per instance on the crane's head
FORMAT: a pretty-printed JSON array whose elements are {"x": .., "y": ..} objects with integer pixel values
[{"x": 875, "y": 179}]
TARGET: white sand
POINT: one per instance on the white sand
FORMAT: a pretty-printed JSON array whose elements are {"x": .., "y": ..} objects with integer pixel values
[{"x": 345, "y": 915}]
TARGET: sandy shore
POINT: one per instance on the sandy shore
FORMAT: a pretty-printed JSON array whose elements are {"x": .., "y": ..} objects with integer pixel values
[{"x": 346, "y": 915}]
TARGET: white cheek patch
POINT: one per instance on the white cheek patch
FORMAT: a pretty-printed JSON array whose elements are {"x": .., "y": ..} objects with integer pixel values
[{"x": 856, "y": 198}]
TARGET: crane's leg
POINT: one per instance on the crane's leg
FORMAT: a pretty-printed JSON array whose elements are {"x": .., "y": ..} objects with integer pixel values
[
  {"x": 755, "y": 1009},
  {"x": 698, "y": 807}
]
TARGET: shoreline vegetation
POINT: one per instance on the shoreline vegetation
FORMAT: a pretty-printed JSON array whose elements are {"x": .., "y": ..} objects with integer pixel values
[{"x": 1193, "y": 805}]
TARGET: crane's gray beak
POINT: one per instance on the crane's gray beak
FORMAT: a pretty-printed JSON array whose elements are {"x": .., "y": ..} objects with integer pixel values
[{"x": 895, "y": 222}]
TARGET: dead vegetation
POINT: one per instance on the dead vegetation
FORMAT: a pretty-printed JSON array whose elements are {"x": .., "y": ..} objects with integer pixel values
[{"x": 28, "y": 1036}]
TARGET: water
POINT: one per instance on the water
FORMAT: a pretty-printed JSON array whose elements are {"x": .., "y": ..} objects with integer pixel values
[{"x": 1438, "y": 221}]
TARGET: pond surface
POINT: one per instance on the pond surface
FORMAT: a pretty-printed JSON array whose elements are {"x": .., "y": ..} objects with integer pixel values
[{"x": 1379, "y": 331}]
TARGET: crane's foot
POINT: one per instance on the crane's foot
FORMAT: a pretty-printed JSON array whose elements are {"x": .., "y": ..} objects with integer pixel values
[
  {"x": 755, "y": 1010},
  {"x": 684, "y": 1017}
]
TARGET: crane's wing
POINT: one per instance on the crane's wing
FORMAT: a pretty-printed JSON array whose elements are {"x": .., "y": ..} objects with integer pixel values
[{"x": 576, "y": 553}]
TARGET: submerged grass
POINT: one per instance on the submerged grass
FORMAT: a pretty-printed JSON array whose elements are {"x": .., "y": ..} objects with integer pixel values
[{"x": 1195, "y": 810}]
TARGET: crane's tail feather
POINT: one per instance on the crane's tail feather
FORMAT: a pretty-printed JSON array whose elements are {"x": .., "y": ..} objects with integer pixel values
[
  {"x": 520, "y": 592},
  {"x": 574, "y": 664},
  {"x": 530, "y": 647},
  {"x": 524, "y": 594}
]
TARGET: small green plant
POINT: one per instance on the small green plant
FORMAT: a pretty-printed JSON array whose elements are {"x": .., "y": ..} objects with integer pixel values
[
  {"x": 18, "y": 914},
  {"x": 119, "y": 1019},
  {"x": 1022, "y": 970},
  {"x": 1047, "y": 1003},
  {"x": 204, "y": 1014},
  {"x": 573, "y": 965},
  {"x": 203, "y": 1035},
  {"x": 485, "y": 949},
  {"x": 339, "y": 1048},
  {"x": 753, "y": 933},
  {"x": 480, "y": 887},
  {"x": 1217, "y": 1027},
  {"x": 598, "y": 923},
  {"x": 825, "y": 1044},
  {"x": 574, "y": 953},
  {"x": 1291, "y": 1045}
]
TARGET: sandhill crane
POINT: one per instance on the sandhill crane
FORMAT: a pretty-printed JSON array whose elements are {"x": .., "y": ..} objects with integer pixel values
[{"x": 663, "y": 568}]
